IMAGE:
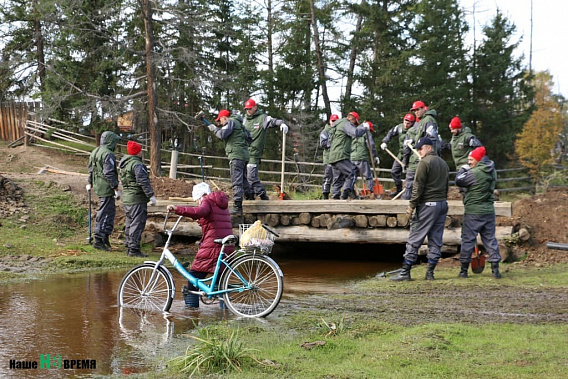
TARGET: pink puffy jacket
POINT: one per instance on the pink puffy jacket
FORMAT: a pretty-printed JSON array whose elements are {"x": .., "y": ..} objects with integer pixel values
[{"x": 215, "y": 222}]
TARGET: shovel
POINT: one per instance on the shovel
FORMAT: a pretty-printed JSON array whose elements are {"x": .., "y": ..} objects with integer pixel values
[
  {"x": 90, "y": 238},
  {"x": 378, "y": 190},
  {"x": 477, "y": 261},
  {"x": 282, "y": 194}
]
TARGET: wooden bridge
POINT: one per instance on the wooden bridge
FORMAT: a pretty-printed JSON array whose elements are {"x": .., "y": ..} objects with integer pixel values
[{"x": 338, "y": 221}]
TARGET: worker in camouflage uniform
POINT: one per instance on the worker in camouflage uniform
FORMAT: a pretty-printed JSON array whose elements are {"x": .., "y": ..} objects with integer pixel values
[
  {"x": 400, "y": 132},
  {"x": 257, "y": 123},
  {"x": 103, "y": 178},
  {"x": 137, "y": 192},
  {"x": 478, "y": 178}
]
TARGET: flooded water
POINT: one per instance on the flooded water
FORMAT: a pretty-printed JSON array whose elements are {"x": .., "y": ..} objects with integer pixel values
[{"x": 74, "y": 319}]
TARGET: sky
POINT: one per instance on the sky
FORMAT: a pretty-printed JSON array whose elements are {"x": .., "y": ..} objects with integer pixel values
[{"x": 550, "y": 29}]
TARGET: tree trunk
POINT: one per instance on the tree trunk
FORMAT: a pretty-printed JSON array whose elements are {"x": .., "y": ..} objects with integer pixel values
[
  {"x": 352, "y": 59},
  {"x": 39, "y": 48},
  {"x": 321, "y": 67},
  {"x": 154, "y": 126},
  {"x": 269, "y": 27}
]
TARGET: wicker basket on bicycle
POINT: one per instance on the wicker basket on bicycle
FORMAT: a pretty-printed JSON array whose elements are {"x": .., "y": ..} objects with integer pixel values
[{"x": 255, "y": 237}]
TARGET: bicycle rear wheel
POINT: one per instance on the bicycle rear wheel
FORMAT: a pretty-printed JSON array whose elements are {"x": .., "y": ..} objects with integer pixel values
[
  {"x": 136, "y": 291},
  {"x": 265, "y": 282}
]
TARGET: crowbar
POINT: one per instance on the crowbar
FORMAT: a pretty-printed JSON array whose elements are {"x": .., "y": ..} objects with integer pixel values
[{"x": 282, "y": 172}]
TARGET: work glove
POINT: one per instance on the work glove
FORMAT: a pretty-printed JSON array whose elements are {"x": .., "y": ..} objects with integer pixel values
[
  {"x": 153, "y": 200},
  {"x": 409, "y": 212},
  {"x": 284, "y": 128},
  {"x": 366, "y": 126},
  {"x": 377, "y": 160},
  {"x": 88, "y": 187},
  {"x": 171, "y": 208},
  {"x": 465, "y": 167},
  {"x": 408, "y": 143},
  {"x": 383, "y": 145},
  {"x": 117, "y": 194},
  {"x": 212, "y": 127}
]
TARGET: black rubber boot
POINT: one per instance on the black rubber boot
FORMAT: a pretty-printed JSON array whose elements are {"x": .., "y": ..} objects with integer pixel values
[
  {"x": 404, "y": 274},
  {"x": 191, "y": 300},
  {"x": 249, "y": 196},
  {"x": 495, "y": 270},
  {"x": 430, "y": 271},
  {"x": 106, "y": 241},
  {"x": 100, "y": 244},
  {"x": 345, "y": 195},
  {"x": 135, "y": 253},
  {"x": 237, "y": 208},
  {"x": 335, "y": 197},
  {"x": 264, "y": 197},
  {"x": 325, "y": 195},
  {"x": 463, "y": 271},
  {"x": 353, "y": 194}
]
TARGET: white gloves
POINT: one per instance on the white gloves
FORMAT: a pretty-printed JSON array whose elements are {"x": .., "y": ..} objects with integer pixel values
[
  {"x": 366, "y": 126},
  {"x": 153, "y": 200},
  {"x": 171, "y": 208},
  {"x": 284, "y": 128},
  {"x": 465, "y": 167},
  {"x": 117, "y": 194},
  {"x": 377, "y": 160},
  {"x": 383, "y": 145},
  {"x": 408, "y": 142},
  {"x": 88, "y": 187}
]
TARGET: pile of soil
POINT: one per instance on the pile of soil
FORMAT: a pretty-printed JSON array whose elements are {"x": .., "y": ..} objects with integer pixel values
[
  {"x": 165, "y": 188},
  {"x": 11, "y": 198},
  {"x": 545, "y": 216}
]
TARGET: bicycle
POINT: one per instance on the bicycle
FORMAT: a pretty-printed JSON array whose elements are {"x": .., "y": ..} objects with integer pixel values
[{"x": 248, "y": 281}]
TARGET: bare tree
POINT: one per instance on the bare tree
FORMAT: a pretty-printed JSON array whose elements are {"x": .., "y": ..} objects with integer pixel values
[{"x": 319, "y": 57}]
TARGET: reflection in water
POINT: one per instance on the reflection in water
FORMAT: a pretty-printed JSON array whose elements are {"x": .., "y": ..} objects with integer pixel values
[{"x": 76, "y": 317}]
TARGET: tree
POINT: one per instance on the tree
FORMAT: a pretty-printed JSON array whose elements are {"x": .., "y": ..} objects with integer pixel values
[
  {"x": 500, "y": 89},
  {"x": 535, "y": 143}
]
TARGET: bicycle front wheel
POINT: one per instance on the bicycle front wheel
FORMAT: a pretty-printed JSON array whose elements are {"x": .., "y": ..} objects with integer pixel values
[
  {"x": 136, "y": 290},
  {"x": 256, "y": 286}
]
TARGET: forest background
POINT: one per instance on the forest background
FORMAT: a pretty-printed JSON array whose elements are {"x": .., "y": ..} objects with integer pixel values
[{"x": 90, "y": 61}]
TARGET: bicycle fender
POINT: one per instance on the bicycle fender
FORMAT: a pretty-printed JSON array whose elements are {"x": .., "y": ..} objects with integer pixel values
[{"x": 275, "y": 264}]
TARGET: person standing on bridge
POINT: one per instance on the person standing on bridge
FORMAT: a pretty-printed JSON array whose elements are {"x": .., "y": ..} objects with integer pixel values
[
  {"x": 344, "y": 131},
  {"x": 478, "y": 178},
  {"x": 325, "y": 144},
  {"x": 213, "y": 216},
  {"x": 426, "y": 127},
  {"x": 103, "y": 177},
  {"x": 427, "y": 209},
  {"x": 257, "y": 123},
  {"x": 400, "y": 132},
  {"x": 462, "y": 143},
  {"x": 360, "y": 157}
]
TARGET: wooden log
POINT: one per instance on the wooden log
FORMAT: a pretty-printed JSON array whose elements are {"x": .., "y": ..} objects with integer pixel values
[
  {"x": 402, "y": 220},
  {"x": 361, "y": 221},
  {"x": 340, "y": 222},
  {"x": 392, "y": 222},
  {"x": 315, "y": 223},
  {"x": 391, "y": 207},
  {"x": 304, "y": 218},
  {"x": 271, "y": 219},
  {"x": 524, "y": 234},
  {"x": 378, "y": 221},
  {"x": 452, "y": 237},
  {"x": 249, "y": 218},
  {"x": 285, "y": 220}
]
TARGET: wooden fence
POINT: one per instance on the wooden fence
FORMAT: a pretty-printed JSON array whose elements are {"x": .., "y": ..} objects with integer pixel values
[{"x": 298, "y": 174}]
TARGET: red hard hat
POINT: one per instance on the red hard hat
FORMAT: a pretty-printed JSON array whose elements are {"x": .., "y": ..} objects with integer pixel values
[
  {"x": 455, "y": 123},
  {"x": 370, "y": 125},
  {"x": 417, "y": 104},
  {"x": 355, "y": 114},
  {"x": 334, "y": 117},
  {"x": 250, "y": 103},
  {"x": 409, "y": 117}
]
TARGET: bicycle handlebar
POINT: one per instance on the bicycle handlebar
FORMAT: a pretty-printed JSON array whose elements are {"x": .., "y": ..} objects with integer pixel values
[{"x": 269, "y": 229}]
